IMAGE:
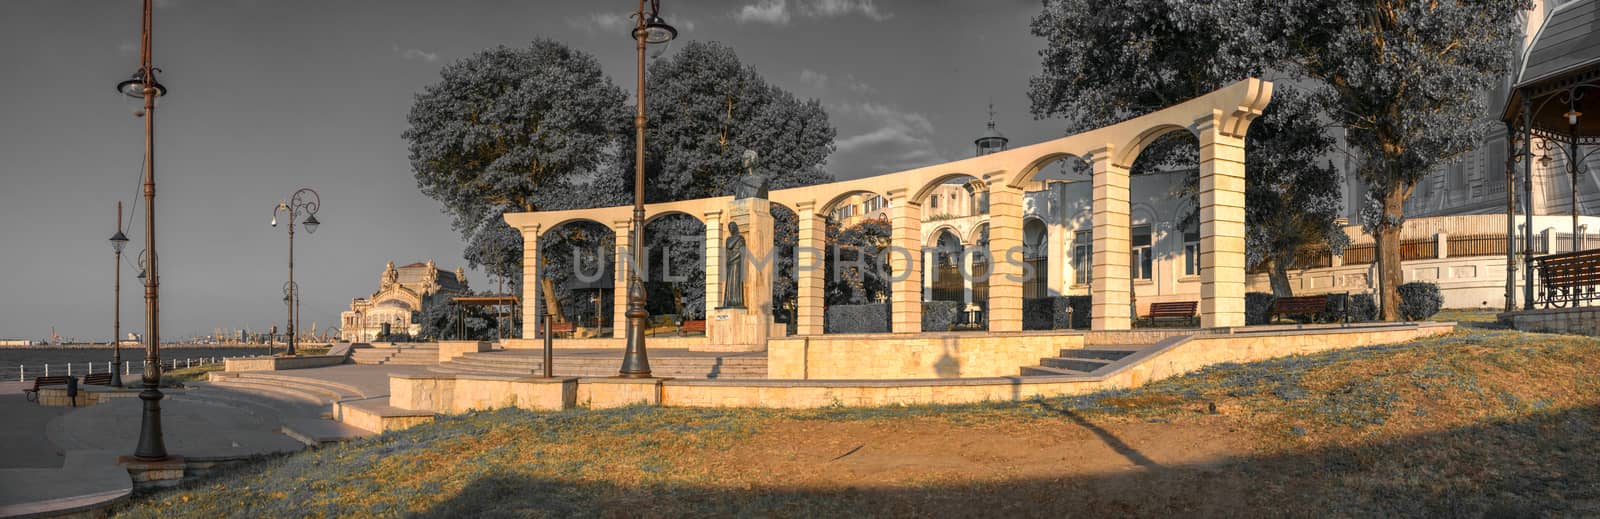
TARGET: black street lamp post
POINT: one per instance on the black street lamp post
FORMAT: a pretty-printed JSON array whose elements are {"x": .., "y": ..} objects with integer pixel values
[
  {"x": 636, "y": 362},
  {"x": 118, "y": 241},
  {"x": 143, "y": 86},
  {"x": 305, "y": 201}
]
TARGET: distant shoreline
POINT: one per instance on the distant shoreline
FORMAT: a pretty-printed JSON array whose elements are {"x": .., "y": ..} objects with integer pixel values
[{"x": 104, "y": 346}]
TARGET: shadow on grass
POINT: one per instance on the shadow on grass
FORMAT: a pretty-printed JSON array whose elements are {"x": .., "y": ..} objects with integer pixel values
[{"x": 1542, "y": 465}]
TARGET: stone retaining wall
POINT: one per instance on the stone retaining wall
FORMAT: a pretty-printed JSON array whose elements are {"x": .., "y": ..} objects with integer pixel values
[
  {"x": 687, "y": 342},
  {"x": 1582, "y": 320},
  {"x": 265, "y": 363},
  {"x": 912, "y": 356},
  {"x": 1174, "y": 356}
]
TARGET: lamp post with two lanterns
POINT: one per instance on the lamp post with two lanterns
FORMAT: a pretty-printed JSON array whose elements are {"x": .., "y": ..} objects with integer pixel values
[{"x": 303, "y": 201}]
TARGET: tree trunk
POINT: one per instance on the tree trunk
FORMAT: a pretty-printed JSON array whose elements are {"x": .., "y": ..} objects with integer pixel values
[
  {"x": 1279, "y": 275},
  {"x": 1388, "y": 250}
]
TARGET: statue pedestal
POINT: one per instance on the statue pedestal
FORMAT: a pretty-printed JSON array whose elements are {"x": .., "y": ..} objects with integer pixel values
[{"x": 747, "y": 328}]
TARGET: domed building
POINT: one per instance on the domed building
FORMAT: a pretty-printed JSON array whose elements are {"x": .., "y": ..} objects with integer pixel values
[{"x": 396, "y": 307}]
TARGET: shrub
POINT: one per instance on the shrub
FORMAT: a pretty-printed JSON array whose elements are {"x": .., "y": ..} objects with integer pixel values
[
  {"x": 1363, "y": 308},
  {"x": 868, "y": 318},
  {"x": 1419, "y": 300},
  {"x": 1050, "y": 313},
  {"x": 1082, "y": 308},
  {"x": 1256, "y": 307},
  {"x": 941, "y": 316},
  {"x": 1338, "y": 307}
]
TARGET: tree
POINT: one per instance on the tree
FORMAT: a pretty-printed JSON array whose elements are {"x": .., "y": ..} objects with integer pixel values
[
  {"x": 860, "y": 273},
  {"x": 1110, "y": 61},
  {"x": 1408, "y": 82},
  {"x": 512, "y": 130}
]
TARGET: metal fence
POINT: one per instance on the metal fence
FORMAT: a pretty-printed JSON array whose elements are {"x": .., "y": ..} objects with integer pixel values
[{"x": 26, "y": 372}]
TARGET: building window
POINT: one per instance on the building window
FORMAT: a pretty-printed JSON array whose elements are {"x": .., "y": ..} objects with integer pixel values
[
  {"x": 935, "y": 202},
  {"x": 1082, "y": 257},
  {"x": 1141, "y": 252},
  {"x": 1191, "y": 250}
]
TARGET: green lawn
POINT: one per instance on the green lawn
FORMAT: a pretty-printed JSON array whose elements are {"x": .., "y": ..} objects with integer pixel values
[{"x": 1481, "y": 421}]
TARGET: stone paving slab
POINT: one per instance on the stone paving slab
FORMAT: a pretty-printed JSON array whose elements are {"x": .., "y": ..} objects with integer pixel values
[
  {"x": 85, "y": 479},
  {"x": 23, "y": 443}
]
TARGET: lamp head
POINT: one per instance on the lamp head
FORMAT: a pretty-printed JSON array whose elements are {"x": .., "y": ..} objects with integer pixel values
[
  {"x": 118, "y": 241},
  {"x": 1545, "y": 160},
  {"x": 134, "y": 87},
  {"x": 311, "y": 224},
  {"x": 1572, "y": 116}
]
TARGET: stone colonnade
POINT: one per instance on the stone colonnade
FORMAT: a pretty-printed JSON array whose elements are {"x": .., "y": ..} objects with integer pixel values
[{"x": 1219, "y": 120}]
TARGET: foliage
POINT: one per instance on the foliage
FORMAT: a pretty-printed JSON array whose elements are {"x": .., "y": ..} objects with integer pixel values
[
  {"x": 1258, "y": 308},
  {"x": 856, "y": 263},
  {"x": 1048, "y": 313},
  {"x": 573, "y": 254},
  {"x": 512, "y": 130},
  {"x": 1363, "y": 308},
  {"x": 442, "y": 320},
  {"x": 862, "y": 318},
  {"x": 1419, "y": 300},
  {"x": 940, "y": 316}
]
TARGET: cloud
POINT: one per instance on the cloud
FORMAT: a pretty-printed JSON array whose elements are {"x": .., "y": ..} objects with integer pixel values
[
  {"x": 779, "y": 12},
  {"x": 822, "y": 81},
  {"x": 601, "y": 22},
  {"x": 416, "y": 54},
  {"x": 814, "y": 78},
  {"x": 775, "y": 12},
  {"x": 890, "y": 140}
]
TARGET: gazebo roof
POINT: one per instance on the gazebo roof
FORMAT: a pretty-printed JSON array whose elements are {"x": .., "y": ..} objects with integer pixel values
[{"x": 1565, "y": 55}]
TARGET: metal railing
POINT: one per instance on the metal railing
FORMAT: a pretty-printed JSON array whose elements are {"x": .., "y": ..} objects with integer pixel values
[{"x": 25, "y": 372}]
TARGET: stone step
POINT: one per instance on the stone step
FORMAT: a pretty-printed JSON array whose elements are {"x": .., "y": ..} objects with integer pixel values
[
  {"x": 339, "y": 390},
  {"x": 280, "y": 392},
  {"x": 316, "y": 432},
  {"x": 1075, "y": 364},
  {"x": 267, "y": 406},
  {"x": 1029, "y": 371},
  {"x": 1098, "y": 353},
  {"x": 376, "y": 415},
  {"x": 606, "y": 370}
]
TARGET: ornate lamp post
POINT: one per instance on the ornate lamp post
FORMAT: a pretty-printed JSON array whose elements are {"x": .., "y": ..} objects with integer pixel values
[
  {"x": 118, "y": 241},
  {"x": 305, "y": 201},
  {"x": 143, "y": 85},
  {"x": 646, "y": 30}
]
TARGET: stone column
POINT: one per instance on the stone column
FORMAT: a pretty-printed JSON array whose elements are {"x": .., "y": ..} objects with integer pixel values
[
  {"x": 1222, "y": 281},
  {"x": 619, "y": 294},
  {"x": 904, "y": 254},
  {"x": 532, "y": 305},
  {"x": 1110, "y": 272},
  {"x": 1005, "y": 251},
  {"x": 1056, "y": 243},
  {"x": 810, "y": 248},
  {"x": 928, "y": 273},
  {"x": 714, "y": 232}
]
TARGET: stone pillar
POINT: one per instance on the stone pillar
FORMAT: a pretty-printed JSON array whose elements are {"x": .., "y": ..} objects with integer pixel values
[
  {"x": 1056, "y": 243},
  {"x": 746, "y": 328},
  {"x": 905, "y": 252},
  {"x": 1110, "y": 272},
  {"x": 928, "y": 273},
  {"x": 1441, "y": 245},
  {"x": 1005, "y": 251},
  {"x": 714, "y": 233},
  {"x": 532, "y": 305},
  {"x": 619, "y": 293},
  {"x": 1222, "y": 282},
  {"x": 810, "y": 248}
]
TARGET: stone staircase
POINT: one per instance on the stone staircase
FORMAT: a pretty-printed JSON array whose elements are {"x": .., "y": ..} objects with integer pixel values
[
  {"x": 1085, "y": 361},
  {"x": 418, "y": 355},
  {"x": 529, "y": 362},
  {"x": 301, "y": 407}
]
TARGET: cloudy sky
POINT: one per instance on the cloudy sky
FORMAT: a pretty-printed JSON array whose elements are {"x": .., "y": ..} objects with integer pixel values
[{"x": 270, "y": 96}]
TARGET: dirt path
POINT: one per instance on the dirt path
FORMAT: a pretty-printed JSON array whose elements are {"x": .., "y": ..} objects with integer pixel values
[{"x": 821, "y": 454}]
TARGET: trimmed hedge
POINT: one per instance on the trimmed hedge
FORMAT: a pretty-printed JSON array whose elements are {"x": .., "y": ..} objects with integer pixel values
[
  {"x": 941, "y": 316},
  {"x": 1050, "y": 313},
  {"x": 868, "y": 318},
  {"x": 1257, "y": 306},
  {"x": 1363, "y": 308},
  {"x": 1419, "y": 300}
]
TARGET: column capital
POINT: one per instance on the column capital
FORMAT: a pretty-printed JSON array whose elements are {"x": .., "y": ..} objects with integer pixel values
[
  {"x": 715, "y": 214},
  {"x": 805, "y": 205}
]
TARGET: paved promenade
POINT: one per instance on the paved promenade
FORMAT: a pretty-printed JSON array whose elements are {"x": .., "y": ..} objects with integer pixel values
[{"x": 60, "y": 458}]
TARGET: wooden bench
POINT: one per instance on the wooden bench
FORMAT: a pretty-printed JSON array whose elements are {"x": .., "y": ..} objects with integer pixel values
[
  {"x": 33, "y": 394},
  {"x": 1304, "y": 305},
  {"x": 1569, "y": 278},
  {"x": 556, "y": 329},
  {"x": 695, "y": 326},
  {"x": 1185, "y": 310},
  {"x": 97, "y": 379}
]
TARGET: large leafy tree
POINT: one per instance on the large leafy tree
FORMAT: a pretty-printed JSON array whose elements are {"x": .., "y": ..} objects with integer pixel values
[
  {"x": 1109, "y": 61},
  {"x": 706, "y": 108},
  {"x": 512, "y": 130},
  {"x": 1406, "y": 79}
]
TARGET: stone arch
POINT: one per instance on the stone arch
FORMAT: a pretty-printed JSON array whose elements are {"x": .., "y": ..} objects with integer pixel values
[
  {"x": 578, "y": 256},
  {"x": 932, "y": 238},
  {"x": 921, "y": 196},
  {"x": 659, "y": 214},
  {"x": 675, "y": 268},
  {"x": 1127, "y": 153},
  {"x": 826, "y": 210}
]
